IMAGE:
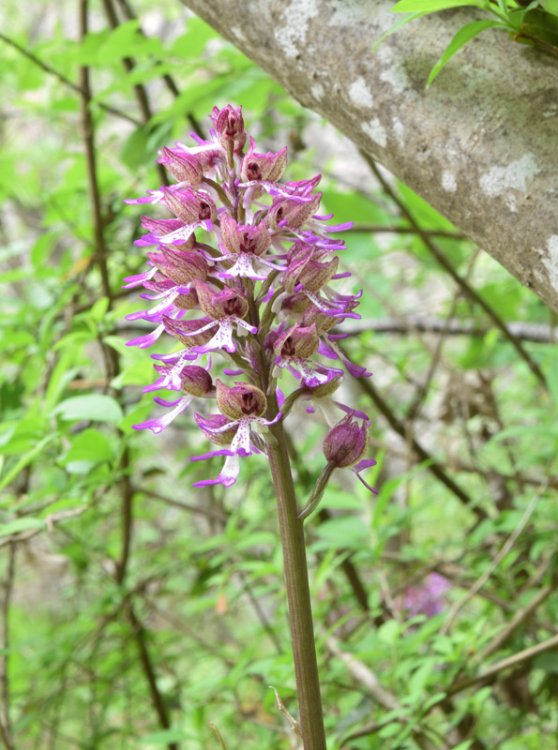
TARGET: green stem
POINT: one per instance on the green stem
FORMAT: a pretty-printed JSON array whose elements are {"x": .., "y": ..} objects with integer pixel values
[
  {"x": 219, "y": 190},
  {"x": 318, "y": 491},
  {"x": 298, "y": 594}
]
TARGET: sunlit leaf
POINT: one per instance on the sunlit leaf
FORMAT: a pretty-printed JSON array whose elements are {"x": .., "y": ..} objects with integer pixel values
[
  {"x": 95, "y": 407},
  {"x": 463, "y": 36}
]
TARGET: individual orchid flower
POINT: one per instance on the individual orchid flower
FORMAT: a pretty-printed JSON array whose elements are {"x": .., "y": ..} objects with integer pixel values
[
  {"x": 196, "y": 382},
  {"x": 174, "y": 283},
  {"x": 295, "y": 350},
  {"x": 243, "y": 406},
  {"x": 227, "y": 310},
  {"x": 345, "y": 446},
  {"x": 244, "y": 246}
]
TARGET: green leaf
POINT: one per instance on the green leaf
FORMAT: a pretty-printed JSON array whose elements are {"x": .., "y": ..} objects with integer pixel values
[
  {"x": 396, "y": 26},
  {"x": 551, "y": 6},
  {"x": 464, "y": 35},
  {"x": 348, "y": 529},
  {"x": 464, "y": 745},
  {"x": 91, "y": 446},
  {"x": 135, "y": 150},
  {"x": 547, "y": 662},
  {"x": 25, "y": 460},
  {"x": 19, "y": 525},
  {"x": 192, "y": 43},
  {"x": 541, "y": 25},
  {"x": 95, "y": 407},
  {"x": 432, "y": 6},
  {"x": 389, "y": 632}
]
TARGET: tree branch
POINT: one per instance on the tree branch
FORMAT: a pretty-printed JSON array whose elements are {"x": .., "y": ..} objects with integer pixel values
[
  {"x": 467, "y": 145},
  {"x": 536, "y": 332},
  {"x": 66, "y": 81}
]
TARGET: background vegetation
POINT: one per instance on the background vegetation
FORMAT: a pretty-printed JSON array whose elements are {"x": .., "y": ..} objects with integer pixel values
[{"x": 135, "y": 610}]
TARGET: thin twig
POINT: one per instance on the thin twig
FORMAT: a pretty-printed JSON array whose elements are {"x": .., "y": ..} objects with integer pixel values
[
  {"x": 511, "y": 661},
  {"x": 467, "y": 290},
  {"x": 209, "y": 513},
  {"x": 537, "y": 332},
  {"x": 146, "y": 662},
  {"x": 521, "y": 614},
  {"x": 88, "y": 133},
  {"x": 366, "y": 677},
  {"x": 91, "y": 162},
  {"x": 506, "y": 548},
  {"x": 140, "y": 90},
  {"x": 167, "y": 77},
  {"x": 49, "y": 522},
  {"x": 488, "y": 674},
  {"x": 382, "y": 229},
  {"x": 112, "y": 363},
  {"x": 217, "y": 734},
  {"x": 66, "y": 81},
  {"x": 435, "y": 360}
]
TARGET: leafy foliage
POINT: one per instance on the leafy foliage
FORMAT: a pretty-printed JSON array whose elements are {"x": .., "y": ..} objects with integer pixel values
[{"x": 532, "y": 22}]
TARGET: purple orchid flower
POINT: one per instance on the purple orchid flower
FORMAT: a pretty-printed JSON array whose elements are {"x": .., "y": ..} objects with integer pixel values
[{"x": 259, "y": 296}]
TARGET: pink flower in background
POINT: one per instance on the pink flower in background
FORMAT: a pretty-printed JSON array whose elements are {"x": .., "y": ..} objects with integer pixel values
[{"x": 428, "y": 598}]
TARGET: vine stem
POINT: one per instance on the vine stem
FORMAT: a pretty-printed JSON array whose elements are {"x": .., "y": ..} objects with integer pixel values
[{"x": 298, "y": 594}]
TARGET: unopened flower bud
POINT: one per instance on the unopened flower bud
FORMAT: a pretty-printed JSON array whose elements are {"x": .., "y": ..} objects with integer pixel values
[
  {"x": 241, "y": 400},
  {"x": 240, "y": 238},
  {"x": 183, "y": 166},
  {"x": 196, "y": 381},
  {"x": 345, "y": 444},
  {"x": 229, "y": 125},
  {"x": 222, "y": 304},
  {"x": 191, "y": 207},
  {"x": 300, "y": 342}
]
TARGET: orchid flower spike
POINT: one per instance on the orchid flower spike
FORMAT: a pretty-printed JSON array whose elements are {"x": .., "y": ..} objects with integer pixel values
[{"x": 241, "y": 274}]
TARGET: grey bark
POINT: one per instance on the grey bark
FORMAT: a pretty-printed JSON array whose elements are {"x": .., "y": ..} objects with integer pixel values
[{"x": 481, "y": 145}]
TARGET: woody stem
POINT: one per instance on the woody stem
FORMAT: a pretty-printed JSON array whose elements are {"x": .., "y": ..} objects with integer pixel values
[{"x": 298, "y": 594}]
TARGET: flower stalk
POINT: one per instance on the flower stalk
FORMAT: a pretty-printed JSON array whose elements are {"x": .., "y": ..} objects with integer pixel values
[{"x": 298, "y": 595}]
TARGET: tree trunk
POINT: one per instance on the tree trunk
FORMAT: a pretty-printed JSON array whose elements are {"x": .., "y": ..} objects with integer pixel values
[{"x": 481, "y": 145}]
